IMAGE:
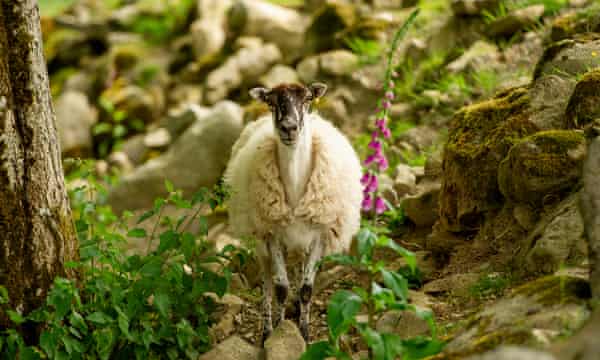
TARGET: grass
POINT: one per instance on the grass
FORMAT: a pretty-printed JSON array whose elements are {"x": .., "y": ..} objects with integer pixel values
[{"x": 490, "y": 285}]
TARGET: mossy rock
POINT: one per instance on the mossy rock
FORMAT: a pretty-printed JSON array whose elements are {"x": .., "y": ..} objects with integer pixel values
[
  {"x": 64, "y": 47},
  {"x": 571, "y": 57},
  {"x": 584, "y": 104},
  {"x": 479, "y": 138},
  {"x": 328, "y": 22},
  {"x": 554, "y": 303},
  {"x": 582, "y": 21},
  {"x": 546, "y": 164}
]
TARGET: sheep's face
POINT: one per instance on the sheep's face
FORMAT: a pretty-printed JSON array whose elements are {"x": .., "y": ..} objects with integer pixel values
[{"x": 289, "y": 103}]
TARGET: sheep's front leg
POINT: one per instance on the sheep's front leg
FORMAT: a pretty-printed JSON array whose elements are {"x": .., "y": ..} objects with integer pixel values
[
  {"x": 267, "y": 288},
  {"x": 306, "y": 288},
  {"x": 279, "y": 276}
]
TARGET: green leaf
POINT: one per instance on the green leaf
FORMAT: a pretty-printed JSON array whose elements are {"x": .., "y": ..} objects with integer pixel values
[
  {"x": 152, "y": 267},
  {"x": 137, "y": 233},
  {"x": 393, "y": 346},
  {"x": 3, "y": 295},
  {"x": 102, "y": 128},
  {"x": 15, "y": 317},
  {"x": 374, "y": 341},
  {"x": 72, "y": 345},
  {"x": 77, "y": 321},
  {"x": 409, "y": 256},
  {"x": 342, "y": 259},
  {"x": 169, "y": 186},
  {"x": 148, "y": 214},
  {"x": 162, "y": 303},
  {"x": 168, "y": 240},
  {"x": 318, "y": 351},
  {"x": 342, "y": 308},
  {"x": 105, "y": 340},
  {"x": 420, "y": 347},
  {"x": 49, "y": 342},
  {"x": 396, "y": 282},
  {"x": 99, "y": 317},
  {"x": 366, "y": 240}
]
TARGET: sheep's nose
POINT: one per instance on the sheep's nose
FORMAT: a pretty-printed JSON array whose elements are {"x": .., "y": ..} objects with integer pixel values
[{"x": 289, "y": 126}]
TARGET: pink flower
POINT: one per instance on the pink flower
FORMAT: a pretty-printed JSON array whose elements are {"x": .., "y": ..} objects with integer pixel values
[
  {"x": 370, "y": 159},
  {"x": 372, "y": 185},
  {"x": 383, "y": 163},
  {"x": 394, "y": 74},
  {"x": 391, "y": 84},
  {"x": 386, "y": 132},
  {"x": 366, "y": 179},
  {"x": 375, "y": 145},
  {"x": 380, "y": 206},
  {"x": 367, "y": 203},
  {"x": 386, "y": 104},
  {"x": 389, "y": 95}
]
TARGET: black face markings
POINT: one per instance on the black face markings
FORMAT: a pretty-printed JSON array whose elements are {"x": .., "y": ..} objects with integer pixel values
[{"x": 289, "y": 103}]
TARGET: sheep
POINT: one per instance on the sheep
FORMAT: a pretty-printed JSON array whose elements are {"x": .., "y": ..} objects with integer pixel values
[{"x": 295, "y": 188}]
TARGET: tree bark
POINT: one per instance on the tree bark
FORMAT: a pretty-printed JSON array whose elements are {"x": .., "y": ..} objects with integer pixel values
[{"x": 37, "y": 235}]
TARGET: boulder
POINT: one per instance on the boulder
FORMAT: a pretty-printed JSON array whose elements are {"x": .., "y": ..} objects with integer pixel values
[
  {"x": 473, "y": 7},
  {"x": 479, "y": 56},
  {"x": 589, "y": 202},
  {"x": 285, "y": 343},
  {"x": 279, "y": 74},
  {"x": 584, "y": 104},
  {"x": 422, "y": 208},
  {"x": 338, "y": 62},
  {"x": 549, "y": 98},
  {"x": 544, "y": 165},
  {"x": 135, "y": 148},
  {"x": 275, "y": 24},
  {"x": 247, "y": 64},
  {"x": 196, "y": 159},
  {"x": 75, "y": 117},
  {"x": 405, "y": 180},
  {"x": 227, "y": 316},
  {"x": 419, "y": 138},
  {"x": 234, "y": 348},
  {"x": 208, "y": 31},
  {"x": 578, "y": 22},
  {"x": 139, "y": 104},
  {"x": 513, "y": 353},
  {"x": 329, "y": 20},
  {"x": 535, "y": 313},
  {"x": 403, "y": 323},
  {"x": 457, "y": 284},
  {"x": 516, "y": 20},
  {"x": 556, "y": 240},
  {"x": 571, "y": 57},
  {"x": 479, "y": 138}
]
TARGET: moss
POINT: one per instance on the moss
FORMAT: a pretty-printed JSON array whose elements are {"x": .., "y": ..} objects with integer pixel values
[
  {"x": 480, "y": 136},
  {"x": 554, "y": 290},
  {"x": 584, "y": 20},
  {"x": 553, "y": 160},
  {"x": 551, "y": 52},
  {"x": 583, "y": 105}
]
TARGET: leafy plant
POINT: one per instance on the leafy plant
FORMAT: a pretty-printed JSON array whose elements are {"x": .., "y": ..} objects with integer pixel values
[
  {"x": 148, "y": 306},
  {"x": 369, "y": 51},
  {"x": 391, "y": 294},
  {"x": 120, "y": 124}
]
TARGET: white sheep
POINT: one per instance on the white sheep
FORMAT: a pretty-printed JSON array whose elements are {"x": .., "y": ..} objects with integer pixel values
[{"x": 295, "y": 182}]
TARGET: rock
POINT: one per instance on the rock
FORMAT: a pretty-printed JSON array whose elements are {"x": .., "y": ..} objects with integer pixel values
[
  {"x": 403, "y": 323},
  {"x": 328, "y": 22},
  {"x": 74, "y": 120},
  {"x": 137, "y": 103},
  {"x": 422, "y": 208},
  {"x": 405, "y": 181},
  {"x": 516, "y": 20},
  {"x": 480, "y": 55},
  {"x": 234, "y": 348},
  {"x": 590, "y": 199},
  {"x": 386, "y": 187},
  {"x": 208, "y": 31},
  {"x": 135, "y": 149},
  {"x": 457, "y": 284},
  {"x": 279, "y": 74},
  {"x": 158, "y": 138},
  {"x": 584, "y": 104},
  {"x": 473, "y": 7},
  {"x": 121, "y": 161},
  {"x": 420, "y": 138},
  {"x": 275, "y": 24},
  {"x": 570, "y": 58},
  {"x": 578, "y": 22},
  {"x": 196, "y": 159},
  {"x": 177, "y": 121},
  {"x": 184, "y": 95},
  {"x": 556, "y": 240},
  {"x": 245, "y": 65},
  {"x": 228, "y": 308},
  {"x": 308, "y": 69},
  {"x": 513, "y": 353},
  {"x": 285, "y": 343},
  {"x": 546, "y": 164},
  {"x": 549, "y": 98},
  {"x": 338, "y": 62},
  {"x": 480, "y": 137},
  {"x": 525, "y": 215},
  {"x": 551, "y": 304}
]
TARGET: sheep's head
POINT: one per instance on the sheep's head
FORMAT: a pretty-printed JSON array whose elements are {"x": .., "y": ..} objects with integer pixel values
[{"x": 289, "y": 103}]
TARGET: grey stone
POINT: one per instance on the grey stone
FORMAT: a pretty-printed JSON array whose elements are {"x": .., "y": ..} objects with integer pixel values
[
  {"x": 422, "y": 208},
  {"x": 285, "y": 343},
  {"x": 516, "y": 20},
  {"x": 513, "y": 353},
  {"x": 234, "y": 348},
  {"x": 74, "y": 120},
  {"x": 473, "y": 7},
  {"x": 279, "y": 74}
]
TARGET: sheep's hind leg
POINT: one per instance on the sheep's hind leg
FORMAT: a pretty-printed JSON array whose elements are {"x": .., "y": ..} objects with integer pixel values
[
  {"x": 267, "y": 288},
  {"x": 306, "y": 287},
  {"x": 282, "y": 283}
]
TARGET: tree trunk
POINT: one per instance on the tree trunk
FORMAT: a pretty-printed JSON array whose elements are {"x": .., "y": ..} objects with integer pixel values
[{"x": 36, "y": 231}]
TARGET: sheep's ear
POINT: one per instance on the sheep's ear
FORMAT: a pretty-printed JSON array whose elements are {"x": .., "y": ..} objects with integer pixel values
[
  {"x": 259, "y": 93},
  {"x": 317, "y": 89}
]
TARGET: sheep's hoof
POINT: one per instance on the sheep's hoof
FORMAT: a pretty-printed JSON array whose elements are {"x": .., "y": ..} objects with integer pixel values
[
  {"x": 281, "y": 291},
  {"x": 265, "y": 335}
]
